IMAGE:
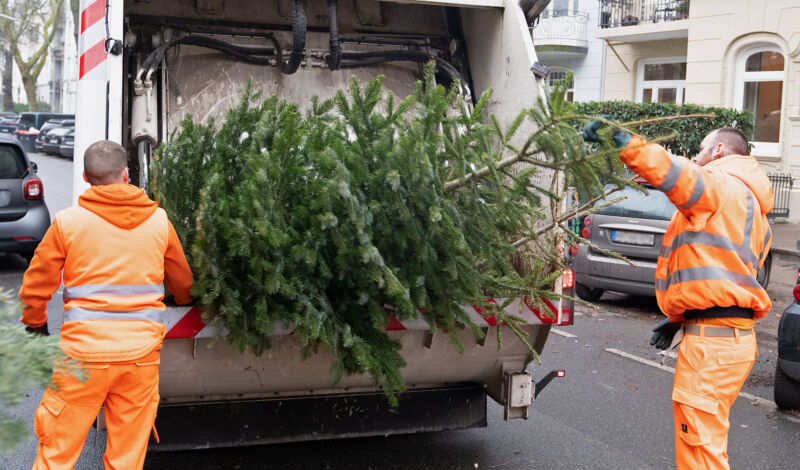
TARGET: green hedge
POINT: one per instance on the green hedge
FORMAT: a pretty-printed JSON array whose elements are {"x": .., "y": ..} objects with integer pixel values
[{"x": 690, "y": 131}]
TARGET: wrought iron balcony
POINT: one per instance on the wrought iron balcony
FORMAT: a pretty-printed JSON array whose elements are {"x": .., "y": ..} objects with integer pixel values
[
  {"x": 561, "y": 31},
  {"x": 616, "y": 13}
]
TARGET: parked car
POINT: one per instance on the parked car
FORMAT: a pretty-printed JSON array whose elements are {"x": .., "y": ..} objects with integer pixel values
[
  {"x": 24, "y": 217},
  {"x": 51, "y": 144},
  {"x": 67, "y": 148},
  {"x": 633, "y": 228},
  {"x": 46, "y": 128},
  {"x": 37, "y": 120},
  {"x": 787, "y": 369},
  {"x": 8, "y": 123}
]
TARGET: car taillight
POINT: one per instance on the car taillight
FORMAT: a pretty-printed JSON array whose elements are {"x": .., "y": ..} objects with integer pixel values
[
  {"x": 568, "y": 279},
  {"x": 33, "y": 189}
]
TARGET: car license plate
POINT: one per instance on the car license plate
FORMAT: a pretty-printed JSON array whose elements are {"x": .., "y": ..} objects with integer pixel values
[{"x": 632, "y": 238}]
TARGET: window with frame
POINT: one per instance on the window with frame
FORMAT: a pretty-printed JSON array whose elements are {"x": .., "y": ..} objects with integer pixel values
[
  {"x": 759, "y": 89},
  {"x": 661, "y": 81},
  {"x": 557, "y": 76}
]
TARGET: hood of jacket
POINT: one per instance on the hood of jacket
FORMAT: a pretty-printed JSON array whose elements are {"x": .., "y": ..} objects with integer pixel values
[
  {"x": 747, "y": 169},
  {"x": 124, "y": 205}
]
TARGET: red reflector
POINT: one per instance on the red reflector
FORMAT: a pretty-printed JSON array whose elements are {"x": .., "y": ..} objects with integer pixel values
[
  {"x": 796, "y": 292},
  {"x": 585, "y": 233},
  {"x": 23, "y": 238},
  {"x": 587, "y": 221},
  {"x": 568, "y": 279},
  {"x": 561, "y": 373},
  {"x": 33, "y": 189},
  {"x": 566, "y": 317}
]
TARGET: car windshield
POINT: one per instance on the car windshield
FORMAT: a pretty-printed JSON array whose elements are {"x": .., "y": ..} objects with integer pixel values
[
  {"x": 653, "y": 205},
  {"x": 12, "y": 164}
]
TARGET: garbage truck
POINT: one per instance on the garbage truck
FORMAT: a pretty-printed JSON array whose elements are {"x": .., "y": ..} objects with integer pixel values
[{"x": 144, "y": 65}]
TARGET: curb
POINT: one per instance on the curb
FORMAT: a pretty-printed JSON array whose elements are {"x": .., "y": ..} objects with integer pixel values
[{"x": 783, "y": 254}]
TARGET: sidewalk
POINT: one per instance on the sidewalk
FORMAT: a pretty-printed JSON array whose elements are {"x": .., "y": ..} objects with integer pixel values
[{"x": 785, "y": 241}]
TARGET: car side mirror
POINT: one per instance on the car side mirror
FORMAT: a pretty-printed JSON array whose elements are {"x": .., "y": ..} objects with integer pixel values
[{"x": 34, "y": 167}]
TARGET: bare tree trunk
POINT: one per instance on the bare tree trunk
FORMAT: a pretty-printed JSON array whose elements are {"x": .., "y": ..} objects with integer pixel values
[
  {"x": 8, "y": 67},
  {"x": 30, "y": 92}
]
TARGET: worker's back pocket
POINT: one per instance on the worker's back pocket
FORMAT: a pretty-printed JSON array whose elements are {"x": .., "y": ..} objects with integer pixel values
[{"x": 693, "y": 414}]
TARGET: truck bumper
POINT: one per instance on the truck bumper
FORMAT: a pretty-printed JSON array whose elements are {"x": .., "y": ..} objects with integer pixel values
[{"x": 266, "y": 421}]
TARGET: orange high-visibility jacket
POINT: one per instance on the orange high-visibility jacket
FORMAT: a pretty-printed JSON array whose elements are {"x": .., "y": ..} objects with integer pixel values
[
  {"x": 115, "y": 248},
  {"x": 719, "y": 235}
]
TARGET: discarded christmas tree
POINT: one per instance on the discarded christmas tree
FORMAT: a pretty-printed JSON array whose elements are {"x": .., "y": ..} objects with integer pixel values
[{"x": 328, "y": 217}]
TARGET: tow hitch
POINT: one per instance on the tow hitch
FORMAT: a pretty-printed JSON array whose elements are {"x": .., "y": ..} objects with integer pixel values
[{"x": 522, "y": 390}]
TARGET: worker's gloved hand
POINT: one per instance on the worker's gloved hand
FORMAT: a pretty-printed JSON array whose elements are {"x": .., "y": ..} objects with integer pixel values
[
  {"x": 39, "y": 330},
  {"x": 664, "y": 332},
  {"x": 621, "y": 138}
]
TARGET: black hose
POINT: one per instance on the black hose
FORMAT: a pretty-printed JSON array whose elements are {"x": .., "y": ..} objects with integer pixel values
[
  {"x": 362, "y": 59},
  {"x": 253, "y": 54},
  {"x": 334, "y": 57},
  {"x": 298, "y": 38}
]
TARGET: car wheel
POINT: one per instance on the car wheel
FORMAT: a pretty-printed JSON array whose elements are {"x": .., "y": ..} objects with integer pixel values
[
  {"x": 589, "y": 294},
  {"x": 787, "y": 390},
  {"x": 763, "y": 274}
]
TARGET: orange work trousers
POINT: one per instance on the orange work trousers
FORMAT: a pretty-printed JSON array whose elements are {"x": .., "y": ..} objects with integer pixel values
[
  {"x": 69, "y": 406},
  {"x": 709, "y": 374}
]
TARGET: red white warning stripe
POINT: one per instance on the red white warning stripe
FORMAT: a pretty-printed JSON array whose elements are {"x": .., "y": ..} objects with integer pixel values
[
  {"x": 187, "y": 322},
  {"x": 92, "y": 40}
]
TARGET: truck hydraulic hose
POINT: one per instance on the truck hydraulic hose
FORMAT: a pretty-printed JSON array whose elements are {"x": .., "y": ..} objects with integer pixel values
[
  {"x": 361, "y": 59},
  {"x": 298, "y": 38},
  {"x": 334, "y": 57}
]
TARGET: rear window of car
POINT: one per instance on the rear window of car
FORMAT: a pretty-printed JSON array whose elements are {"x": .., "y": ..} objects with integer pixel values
[
  {"x": 12, "y": 163},
  {"x": 26, "y": 121},
  {"x": 653, "y": 205}
]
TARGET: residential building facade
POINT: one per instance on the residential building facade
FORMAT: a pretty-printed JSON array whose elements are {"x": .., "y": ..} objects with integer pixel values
[
  {"x": 742, "y": 54},
  {"x": 564, "y": 40}
]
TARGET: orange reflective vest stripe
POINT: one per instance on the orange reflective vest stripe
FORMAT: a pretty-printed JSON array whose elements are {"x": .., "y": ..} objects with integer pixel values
[
  {"x": 719, "y": 235},
  {"x": 116, "y": 248}
]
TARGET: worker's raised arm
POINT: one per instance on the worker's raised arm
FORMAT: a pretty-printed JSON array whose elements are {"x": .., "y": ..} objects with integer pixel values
[
  {"x": 42, "y": 277},
  {"x": 694, "y": 190},
  {"x": 176, "y": 270}
]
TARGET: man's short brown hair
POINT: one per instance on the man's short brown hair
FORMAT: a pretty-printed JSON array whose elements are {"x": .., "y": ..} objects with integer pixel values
[
  {"x": 104, "y": 161},
  {"x": 735, "y": 141}
]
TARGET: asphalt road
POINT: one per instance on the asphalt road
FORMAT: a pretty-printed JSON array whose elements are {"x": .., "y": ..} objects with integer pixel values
[{"x": 611, "y": 411}]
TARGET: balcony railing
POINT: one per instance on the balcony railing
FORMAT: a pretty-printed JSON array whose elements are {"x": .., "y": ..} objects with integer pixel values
[
  {"x": 616, "y": 13},
  {"x": 561, "y": 28}
]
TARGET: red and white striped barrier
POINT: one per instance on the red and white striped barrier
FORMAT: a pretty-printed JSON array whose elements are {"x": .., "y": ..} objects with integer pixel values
[
  {"x": 91, "y": 49},
  {"x": 187, "y": 322}
]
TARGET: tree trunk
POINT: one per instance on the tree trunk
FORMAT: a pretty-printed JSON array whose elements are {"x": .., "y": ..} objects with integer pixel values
[
  {"x": 30, "y": 92},
  {"x": 8, "y": 67}
]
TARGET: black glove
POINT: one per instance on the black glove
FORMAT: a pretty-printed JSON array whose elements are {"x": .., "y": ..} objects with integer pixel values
[
  {"x": 621, "y": 138},
  {"x": 663, "y": 333},
  {"x": 39, "y": 330}
]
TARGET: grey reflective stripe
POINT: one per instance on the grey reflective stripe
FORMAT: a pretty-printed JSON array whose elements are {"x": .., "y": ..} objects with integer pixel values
[
  {"x": 748, "y": 223},
  {"x": 673, "y": 174},
  {"x": 767, "y": 238},
  {"x": 710, "y": 239},
  {"x": 707, "y": 274},
  {"x": 81, "y": 314},
  {"x": 699, "y": 189},
  {"x": 119, "y": 290},
  {"x": 664, "y": 251}
]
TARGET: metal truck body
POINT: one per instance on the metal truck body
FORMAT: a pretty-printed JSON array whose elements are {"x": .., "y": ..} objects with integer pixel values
[{"x": 213, "y": 395}]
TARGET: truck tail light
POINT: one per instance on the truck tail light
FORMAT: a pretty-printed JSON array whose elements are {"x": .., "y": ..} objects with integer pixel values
[
  {"x": 587, "y": 221},
  {"x": 585, "y": 232},
  {"x": 568, "y": 279},
  {"x": 33, "y": 189},
  {"x": 573, "y": 250}
]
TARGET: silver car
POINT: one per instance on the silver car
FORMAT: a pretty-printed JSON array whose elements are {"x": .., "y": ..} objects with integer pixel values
[
  {"x": 24, "y": 217},
  {"x": 633, "y": 228}
]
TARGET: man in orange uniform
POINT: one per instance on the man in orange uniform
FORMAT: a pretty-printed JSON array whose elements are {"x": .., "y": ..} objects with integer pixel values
[
  {"x": 706, "y": 279},
  {"x": 115, "y": 248}
]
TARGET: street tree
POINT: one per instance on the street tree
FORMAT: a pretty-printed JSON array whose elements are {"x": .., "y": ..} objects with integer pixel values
[{"x": 32, "y": 22}]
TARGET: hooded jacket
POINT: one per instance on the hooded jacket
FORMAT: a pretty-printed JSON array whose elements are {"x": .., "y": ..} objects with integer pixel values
[
  {"x": 718, "y": 237},
  {"x": 115, "y": 248}
]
